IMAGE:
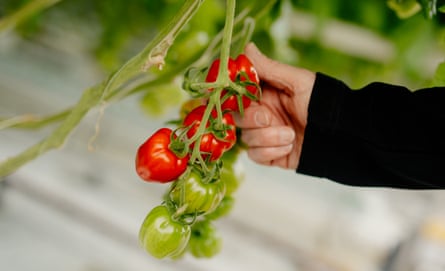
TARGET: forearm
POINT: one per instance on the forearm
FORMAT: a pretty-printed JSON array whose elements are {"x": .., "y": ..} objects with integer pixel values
[{"x": 380, "y": 135}]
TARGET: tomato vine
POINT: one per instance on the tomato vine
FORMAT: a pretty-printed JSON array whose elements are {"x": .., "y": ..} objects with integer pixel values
[{"x": 206, "y": 133}]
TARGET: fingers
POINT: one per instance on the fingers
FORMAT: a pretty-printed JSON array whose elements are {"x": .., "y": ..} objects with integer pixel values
[
  {"x": 269, "y": 145},
  {"x": 283, "y": 77},
  {"x": 267, "y": 155},
  {"x": 255, "y": 116},
  {"x": 268, "y": 136},
  {"x": 275, "y": 73}
]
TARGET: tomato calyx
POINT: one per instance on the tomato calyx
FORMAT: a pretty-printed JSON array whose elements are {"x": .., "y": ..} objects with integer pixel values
[
  {"x": 195, "y": 194},
  {"x": 235, "y": 92},
  {"x": 242, "y": 85},
  {"x": 178, "y": 143},
  {"x": 192, "y": 82}
]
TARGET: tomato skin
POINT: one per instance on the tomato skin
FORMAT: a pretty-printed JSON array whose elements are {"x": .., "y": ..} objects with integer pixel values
[
  {"x": 204, "y": 240},
  {"x": 199, "y": 197},
  {"x": 212, "y": 74},
  {"x": 241, "y": 65},
  {"x": 211, "y": 146},
  {"x": 161, "y": 236},
  {"x": 232, "y": 175},
  {"x": 245, "y": 66},
  {"x": 156, "y": 162}
]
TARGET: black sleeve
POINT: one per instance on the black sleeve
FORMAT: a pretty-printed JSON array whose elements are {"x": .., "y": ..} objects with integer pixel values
[{"x": 381, "y": 135}]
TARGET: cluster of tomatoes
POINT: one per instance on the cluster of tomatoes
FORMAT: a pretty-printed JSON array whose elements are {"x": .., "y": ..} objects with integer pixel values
[{"x": 198, "y": 160}]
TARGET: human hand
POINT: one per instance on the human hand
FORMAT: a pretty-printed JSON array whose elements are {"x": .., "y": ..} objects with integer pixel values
[{"x": 273, "y": 128}]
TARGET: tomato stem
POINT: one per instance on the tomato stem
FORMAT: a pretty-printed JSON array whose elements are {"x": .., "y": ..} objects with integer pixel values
[
  {"x": 223, "y": 79},
  {"x": 197, "y": 137},
  {"x": 214, "y": 97},
  {"x": 223, "y": 73},
  {"x": 245, "y": 35}
]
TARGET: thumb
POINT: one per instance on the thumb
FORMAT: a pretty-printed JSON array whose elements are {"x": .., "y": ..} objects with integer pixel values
[{"x": 255, "y": 116}]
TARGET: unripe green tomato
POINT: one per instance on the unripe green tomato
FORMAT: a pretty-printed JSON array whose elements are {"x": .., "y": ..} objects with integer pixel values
[
  {"x": 223, "y": 208},
  {"x": 232, "y": 176},
  {"x": 161, "y": 236},
  {"x": 204, "y": 241},
  {"x": 195, "y": 196},
  {"x": 230, "y": 157}
]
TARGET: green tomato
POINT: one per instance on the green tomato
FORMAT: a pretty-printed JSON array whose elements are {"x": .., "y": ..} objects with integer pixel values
[
  {"x": 223, "y": 208},
  {"x": 204, "y": 241},
  {"x": 195, "y": 196},
  {"x": 231, "y": 177},
  {"x": 230, "y": 157},
  {"x": 161, "y": 236}
]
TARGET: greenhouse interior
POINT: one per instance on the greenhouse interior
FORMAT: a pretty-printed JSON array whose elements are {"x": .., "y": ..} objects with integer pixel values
[{"x": 83, "y": 84}]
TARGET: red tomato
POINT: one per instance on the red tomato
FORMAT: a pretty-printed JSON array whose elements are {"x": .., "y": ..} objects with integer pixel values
[
  {"x": 212, "y": 74},
  {"x": 244, "y": 66},
  {"x": 241, "y": 65},
  {"x": 213, "y": 144},
  {"x": 156, "y": 162}
]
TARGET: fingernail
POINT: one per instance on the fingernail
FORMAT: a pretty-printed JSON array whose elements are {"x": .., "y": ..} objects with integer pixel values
[
  {"x": 288, "y": 148},
  {"x": 285, "y": 149},
  {"x": 287, "y": 135},
  {"x": 262, "y": 118}
]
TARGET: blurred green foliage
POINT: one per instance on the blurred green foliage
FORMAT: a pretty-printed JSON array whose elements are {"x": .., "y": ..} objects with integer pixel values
[
  {"x": 416, "y": 40},
  {"x": 116, "y": 29}
]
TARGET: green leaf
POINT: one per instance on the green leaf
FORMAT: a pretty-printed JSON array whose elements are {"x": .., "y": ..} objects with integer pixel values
[
  {"x": 439, "y": 77},
  {"x": 441, "y": 9},
  {"x": 404, "y": 8}
]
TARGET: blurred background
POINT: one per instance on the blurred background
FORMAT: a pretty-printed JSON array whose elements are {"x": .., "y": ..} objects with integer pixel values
[{"x": 79, "y": 207}]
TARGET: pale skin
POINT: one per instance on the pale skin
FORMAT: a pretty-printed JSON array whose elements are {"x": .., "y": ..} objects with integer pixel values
[{"x": 273, "y": 128}]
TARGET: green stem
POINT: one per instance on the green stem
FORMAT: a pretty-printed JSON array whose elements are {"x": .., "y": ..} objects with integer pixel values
[
  {"x": 222, "y": 81},
  {"x": 223, "y": 73},
  {"x": 197, "y": 137},
  {"x": 154, "y": 53},
  {"x": 89, "y": 99},
  {"x": 245, "y": 35},
  {"x": 216, "y": 100}
]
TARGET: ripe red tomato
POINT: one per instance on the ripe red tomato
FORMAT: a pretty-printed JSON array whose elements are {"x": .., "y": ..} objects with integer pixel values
[
  {"x": 244, "y": 66},
  {"x": 212, "y": 74},
  {"x": 213, "y": 144},
  {"x": 238, "y": 67},
  {"x": 156, "y": 162}
]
